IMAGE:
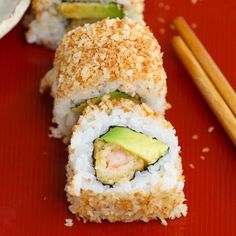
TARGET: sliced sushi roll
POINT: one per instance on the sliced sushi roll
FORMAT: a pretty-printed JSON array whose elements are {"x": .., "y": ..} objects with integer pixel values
[
  {"x": 117, "y": 57},
  {"x": 124, "y": 165},
  {"x": 52, "y": 18}
]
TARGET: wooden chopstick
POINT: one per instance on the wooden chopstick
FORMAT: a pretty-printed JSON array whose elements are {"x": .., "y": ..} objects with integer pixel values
[
  {"x": 207, "y": 63},
  {"x": 207, "y": 89}
]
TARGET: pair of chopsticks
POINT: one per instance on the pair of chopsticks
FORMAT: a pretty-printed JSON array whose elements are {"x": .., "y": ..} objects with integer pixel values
[{"x": 211, "y": 82}]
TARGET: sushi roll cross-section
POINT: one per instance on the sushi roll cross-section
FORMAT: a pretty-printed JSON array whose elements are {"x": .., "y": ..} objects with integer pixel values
[
  {"x": 51, "y": 19},
  {"x": 124, "y": 165}
]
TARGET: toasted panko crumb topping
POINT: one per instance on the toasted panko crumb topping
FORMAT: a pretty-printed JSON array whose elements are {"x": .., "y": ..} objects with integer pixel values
[
  {"x": 194, "y": 25},
  {"x": 203, "y": 158},
  {"x": 195, "y": 137},
  {"x": 161, "y": 20},
  {"x": 210, "y": 129},
  {"x": 112, "y": 49},
  {"x": 191, "y": 166},
  {"x": 162, "y": 30}
]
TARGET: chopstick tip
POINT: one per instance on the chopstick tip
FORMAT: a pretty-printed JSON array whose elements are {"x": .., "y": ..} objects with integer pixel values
[
  {"x": 179, "y": 18},
  {"x": 176, "y": 39}
]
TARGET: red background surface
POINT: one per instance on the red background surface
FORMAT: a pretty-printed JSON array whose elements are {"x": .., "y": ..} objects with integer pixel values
[{"x": 32, "y": 175}]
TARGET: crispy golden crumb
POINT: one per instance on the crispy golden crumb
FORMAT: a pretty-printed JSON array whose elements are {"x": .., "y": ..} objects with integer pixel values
[
  {"x": 161, "y": 4},
  {"x": 194, "y": 1},
  {"x": 210, "y": 129},
  {"x": 203, "y": 158},
  {"x": 205, "y": 149},
  {"x": 167, "y": 7},
  {"x": 191, "y": 166},
  {"x": 162, "y": 30},
  {"x": 195, "y": 137},
  {"x": 161, "y": 20},
  {"x": 194, "y": 25},
  {"x": 41, "y": 5},
  {"x": 172, "y": 26}
]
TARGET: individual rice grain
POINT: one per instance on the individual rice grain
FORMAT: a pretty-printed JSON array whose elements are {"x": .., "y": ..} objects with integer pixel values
[{"x": 68, "y": 222}]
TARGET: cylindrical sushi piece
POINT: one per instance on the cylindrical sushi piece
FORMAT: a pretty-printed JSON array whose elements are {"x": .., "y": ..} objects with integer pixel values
[
  {"x": 124, "y": 165},
  {"x": 101, "y": 58},
  {"x": 52, "y": 18}
]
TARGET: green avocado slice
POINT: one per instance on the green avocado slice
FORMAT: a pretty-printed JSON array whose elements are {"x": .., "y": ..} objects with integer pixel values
[
  {"x": 113, "y": 95},
  {"x": 147, "y": 148},
  {"x": 81, "y": 10}
]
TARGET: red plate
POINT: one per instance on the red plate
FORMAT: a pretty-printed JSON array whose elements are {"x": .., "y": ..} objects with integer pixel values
[{"x": 32, "y": 175}]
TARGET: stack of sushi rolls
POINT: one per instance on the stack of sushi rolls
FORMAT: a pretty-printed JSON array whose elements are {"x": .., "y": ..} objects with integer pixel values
[
  {"x": 109, "y": 89},
  {"x": 51, "y": 19}
]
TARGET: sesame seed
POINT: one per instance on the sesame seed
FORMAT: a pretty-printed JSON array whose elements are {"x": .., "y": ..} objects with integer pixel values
[
  {"x": 195, "y": 137},
  {"x": 68, "y": 222},
  {"x": 172, "y": 27},
  {"x": 162, "y": 31},
  {"x": 167, "y": 7},
  {"x": 191, "y": 166},
  {"x": 194, "y": 25},
  {"x": 161, "y": 20},
  {"x": 160, "y": 4},
  {"x": 205, "y": 149},
  {"x": 211, "y": 129},
  {"x": 203, "y": 158},
  {"x": 194, "y": 1}
]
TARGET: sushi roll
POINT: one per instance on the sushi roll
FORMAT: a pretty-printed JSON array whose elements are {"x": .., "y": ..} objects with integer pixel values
[
  {"x": 114, "y": 56},
  {"x": 52, "y": 18},
  {"x": 124, "y": 165}
]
